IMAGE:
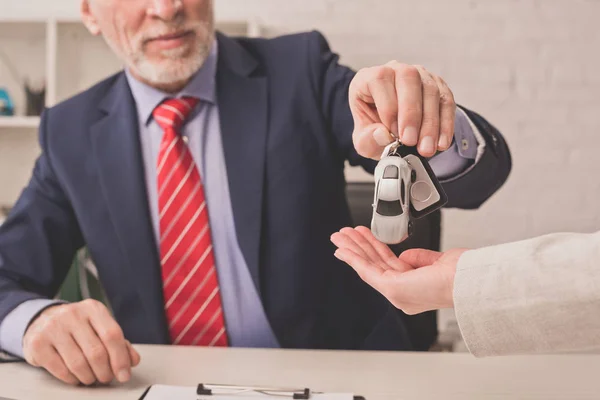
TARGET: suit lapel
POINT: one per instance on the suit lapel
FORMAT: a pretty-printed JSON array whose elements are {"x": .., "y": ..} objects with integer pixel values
[
  {"x": 115, "y": 140},
  {"x": 242, "y": 101}
]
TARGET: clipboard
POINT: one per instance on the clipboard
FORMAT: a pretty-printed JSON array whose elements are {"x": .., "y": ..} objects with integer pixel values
[{"x": 231, "y": 392}]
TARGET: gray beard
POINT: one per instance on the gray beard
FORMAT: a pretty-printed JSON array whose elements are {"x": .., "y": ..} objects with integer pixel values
[{"x": 173, "y": 69}]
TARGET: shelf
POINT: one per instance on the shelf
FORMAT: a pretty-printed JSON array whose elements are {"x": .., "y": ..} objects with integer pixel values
[
  {"x": 249, "y": 28},
  {"x": 71, "y": 41},
  {"x": 47, "y": 42},
  {"x": 19, "y": 122}
]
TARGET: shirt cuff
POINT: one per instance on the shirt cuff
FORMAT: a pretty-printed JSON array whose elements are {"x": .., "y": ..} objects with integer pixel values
[
  {"x": 14, "y": 325},
  {"x": 467, "y": 149}
]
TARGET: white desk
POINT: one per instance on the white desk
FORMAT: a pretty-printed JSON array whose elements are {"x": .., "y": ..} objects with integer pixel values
[{"x": 378, "y": 376}]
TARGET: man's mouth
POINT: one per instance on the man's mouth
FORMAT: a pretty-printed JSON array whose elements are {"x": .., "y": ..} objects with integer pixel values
[{"x": 171, "y": 40}]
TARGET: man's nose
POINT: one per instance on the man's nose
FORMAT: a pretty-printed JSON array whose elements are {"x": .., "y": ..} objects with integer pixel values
[{"x": 165, "y": 9}]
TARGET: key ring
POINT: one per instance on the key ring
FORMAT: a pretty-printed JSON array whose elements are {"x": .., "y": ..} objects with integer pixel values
[{"x": 392, "y": 148}]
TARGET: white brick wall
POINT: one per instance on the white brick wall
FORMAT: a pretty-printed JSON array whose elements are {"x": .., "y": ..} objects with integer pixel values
[{"x": 532, "y": 67}]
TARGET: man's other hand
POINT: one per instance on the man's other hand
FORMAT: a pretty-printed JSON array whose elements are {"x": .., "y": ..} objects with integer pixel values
[
  {"x": 80, "y": 343},
  {"x": 405, "y": 101}
]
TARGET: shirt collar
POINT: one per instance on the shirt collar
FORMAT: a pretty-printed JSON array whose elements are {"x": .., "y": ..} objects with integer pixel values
[{"x": 201, "y": 86}]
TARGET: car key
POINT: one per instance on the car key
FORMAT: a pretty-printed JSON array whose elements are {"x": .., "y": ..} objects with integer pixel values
[
  {"x": 427, "y": 194},
  {"x": 391, "y": 222},
  {"x": 405, "y": 189}
]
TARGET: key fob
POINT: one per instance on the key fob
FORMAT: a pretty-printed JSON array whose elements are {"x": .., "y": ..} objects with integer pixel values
[
  {"x": 391, "y": 220},
  {"x": 426, "y": 192}
]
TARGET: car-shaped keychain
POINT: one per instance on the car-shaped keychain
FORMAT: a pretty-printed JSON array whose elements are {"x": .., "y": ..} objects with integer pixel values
[{"x": 405, "y": 189}]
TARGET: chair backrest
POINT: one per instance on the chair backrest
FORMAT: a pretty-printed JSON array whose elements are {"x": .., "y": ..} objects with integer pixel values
[
  {"x": 82, "y": 281},
  {"x": 422, "y": 328}
]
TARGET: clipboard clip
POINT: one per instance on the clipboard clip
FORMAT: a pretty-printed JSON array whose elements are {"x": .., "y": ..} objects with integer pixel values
[{"x": 295, "y": 394}]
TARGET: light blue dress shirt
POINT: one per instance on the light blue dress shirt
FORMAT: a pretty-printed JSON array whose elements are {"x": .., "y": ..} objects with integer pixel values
[{"x": 245, "y": 318}]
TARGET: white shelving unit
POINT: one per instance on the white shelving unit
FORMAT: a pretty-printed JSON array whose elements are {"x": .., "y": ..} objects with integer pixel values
[
  {"x": 19, "y": 122},
  {"x": 60, "y": 52},
  {"x": 48, "y": 44}
]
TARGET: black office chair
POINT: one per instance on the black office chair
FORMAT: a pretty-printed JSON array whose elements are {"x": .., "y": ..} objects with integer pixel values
[{"x": 422, "y": 328}]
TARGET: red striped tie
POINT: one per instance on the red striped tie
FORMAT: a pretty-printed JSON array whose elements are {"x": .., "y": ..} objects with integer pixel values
[{"x": 190, "y": 286}]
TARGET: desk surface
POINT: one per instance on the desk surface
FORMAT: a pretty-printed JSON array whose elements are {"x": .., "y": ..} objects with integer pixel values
[{"x": 376, "y": 375}]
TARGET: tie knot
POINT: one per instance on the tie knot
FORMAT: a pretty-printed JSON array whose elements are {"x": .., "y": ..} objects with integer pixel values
[{"x": 172, "y": 113}]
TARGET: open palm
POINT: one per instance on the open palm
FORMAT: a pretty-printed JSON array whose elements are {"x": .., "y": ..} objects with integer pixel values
[{"x": 417, "y": 281}]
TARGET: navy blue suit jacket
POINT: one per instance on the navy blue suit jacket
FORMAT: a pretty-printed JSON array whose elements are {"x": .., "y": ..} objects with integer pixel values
[{"x": 286, "y": 129}]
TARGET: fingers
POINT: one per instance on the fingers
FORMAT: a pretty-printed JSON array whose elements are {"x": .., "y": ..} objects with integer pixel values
[
  {"x": 39, "y": 352},
  {"x": 384, "y": 252},
  {"x": 382, "y": 249},
  {"x": 54, "y": 364},
  {"x": 373, "y": 97},
  {"x": 430, "y": 124},
  {"x": 418, "y": 258},
  {"x": 421, "y": 114},
  {"x": 343, "y": 241},
  {"x": 371, "y": 254},
  {"x": 134, "y": 356},
  {"x": 447, "y": 114},
  {"x": 381, "y": 86},
  {"x": 410, "y": 102},
  {"x": 74, "y": 358},
  {"x": 48, "y": 343},
  {"x": 362, "y": 242},
  {"x": 405, "y": 283},
  {"x": 112, "y": 338},
  {"x": 347, "y": 245},
  {"x": 83, "y": 338},
  {"x": 361, "y": 102},
  {"x": 374, "y": 106},
  {"x": 94, "y": 352},
  {"x": 372, "y": 140}
]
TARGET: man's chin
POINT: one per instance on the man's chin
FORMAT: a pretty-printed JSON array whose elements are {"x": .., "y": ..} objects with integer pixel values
[{"x": 169, "y": 71}]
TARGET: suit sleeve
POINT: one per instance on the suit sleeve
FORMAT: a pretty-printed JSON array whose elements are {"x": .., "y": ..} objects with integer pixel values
[
  {"x": 536, "y": 296},
  {"x": 39, "y": 238},
  {"x": 331, "y": 82}
]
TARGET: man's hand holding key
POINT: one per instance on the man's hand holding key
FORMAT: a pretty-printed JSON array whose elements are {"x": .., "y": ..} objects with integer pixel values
[{"x": 401, "y": 101}]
